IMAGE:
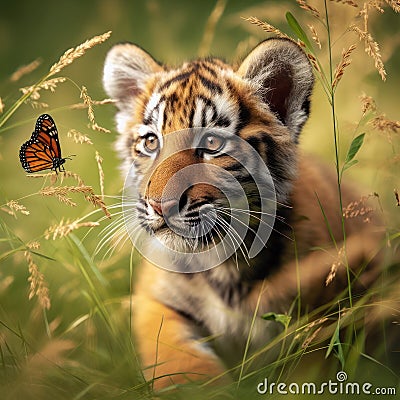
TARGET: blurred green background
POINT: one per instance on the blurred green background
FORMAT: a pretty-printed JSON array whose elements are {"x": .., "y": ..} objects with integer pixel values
[{"x": 84, "y": 338}]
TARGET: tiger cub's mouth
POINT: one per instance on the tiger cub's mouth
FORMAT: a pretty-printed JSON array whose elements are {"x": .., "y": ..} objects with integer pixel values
[{"x": 181, "y": 220}]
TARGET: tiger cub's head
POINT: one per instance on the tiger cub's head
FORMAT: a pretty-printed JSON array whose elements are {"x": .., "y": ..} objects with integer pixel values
[{"x": 185, "y": 131}]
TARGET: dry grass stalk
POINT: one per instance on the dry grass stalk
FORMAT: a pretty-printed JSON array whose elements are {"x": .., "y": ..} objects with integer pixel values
[
  {"x": 314, "y": 35},
  {"x": 359, "y": 208},
  {"x": 372, "y": 49},
  {"x": 36, "y": 104},
  {"x": 367, "y": 104},
  {"x": 94, "y": 102},
  {"x": 61, "y": 192},
  {"x": 8, "y": 211},
  {"x": 397, "y": 197},
  {"x": 395, "y": 4},
  {"x": 314, "y": 62},
  {"x": 72, "y": 54},
  {"x": 88, "y": 102},
  {"x": 311, "y": 338},
  {"x": 335, "y": 266},
  {"x": 375, "y": 4},
  {"x": 209, "y": 30},
  {"x": 343, "y": 64},
  {"x": 303, "y": 4},
  {"x": 52, "y": 191},
  {"x": 78, "y": 137},
  {"x": 1, "y": 105},
  {"x": 63, "y": 229},
  {"x": 98, "y": 202},
  {"x": 383, "y": 124},
  {"x": 311, "y": 325},
  {"x": 38, "y": 285},
  {"x": 73, "y": 175},
  {"x": 99, "y": 161},
  {"x": 24, "y": 70},
  {"x": 50, "y": 84},
  {"x": 315, "y": 323},
  {"x": 266, "y": 27},
  {"x": 347, "y": 2},
  {"x": 14, "y": 207},
  {"x": 33, "y": 245},
  {"x": 99, "y": 128}
]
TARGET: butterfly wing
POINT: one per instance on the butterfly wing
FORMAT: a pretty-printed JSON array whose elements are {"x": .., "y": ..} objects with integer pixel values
[
  {"x": 34, "y": 156},
  {"x": 42, "y": 151},
  {"x": 47, "y": 134}
]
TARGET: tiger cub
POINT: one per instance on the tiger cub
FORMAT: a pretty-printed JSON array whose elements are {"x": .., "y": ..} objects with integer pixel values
[{"x": 194, "y": 324}]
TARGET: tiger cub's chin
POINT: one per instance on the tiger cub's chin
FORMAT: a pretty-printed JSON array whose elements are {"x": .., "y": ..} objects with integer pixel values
[{"x": 207, "y": 146}]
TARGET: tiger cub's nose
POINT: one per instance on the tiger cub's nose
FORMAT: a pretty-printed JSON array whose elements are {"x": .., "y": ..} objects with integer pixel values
[{"x": 165, "y": 208}]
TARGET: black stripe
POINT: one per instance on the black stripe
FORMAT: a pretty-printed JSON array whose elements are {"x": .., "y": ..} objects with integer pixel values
[
  {"x": 181, "y": 77},
  {"x": 212, "y": 86},
  {"x": 223, "y": 121},
  {"x": 209, "y": 69},
  {"x": 244, "y": 112},
  {"x": 209, "y": 103},
  {"x": 276, "y": 159},
  {"x": 170, "y": 108},
  {"x": 244, "y": 116},
  {"x": 255, "y": 141},
  {"x": 147, "y": 120},
  {"x": 203, "y": 116},
  {"x": 191, "y": 116},
  {"x": 272, "y": 148}
]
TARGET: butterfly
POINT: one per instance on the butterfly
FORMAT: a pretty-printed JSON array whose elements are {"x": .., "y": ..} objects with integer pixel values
[{"x": 42, "y": 151}]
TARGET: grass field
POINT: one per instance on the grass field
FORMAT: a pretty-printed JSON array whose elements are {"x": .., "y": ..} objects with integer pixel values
[{"x": 66, "y": 267}]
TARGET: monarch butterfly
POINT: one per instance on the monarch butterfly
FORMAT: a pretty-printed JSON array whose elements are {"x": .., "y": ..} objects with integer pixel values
[{"x": 42, "y": 150}]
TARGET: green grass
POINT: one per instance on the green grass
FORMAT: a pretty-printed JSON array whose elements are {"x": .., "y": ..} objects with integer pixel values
[{"x": 82, "y": 346}]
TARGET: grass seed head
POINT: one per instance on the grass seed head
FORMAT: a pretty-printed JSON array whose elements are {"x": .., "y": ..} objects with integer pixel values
[
  {"x": 339, "y": 262},
  {"x": 79, "y": 137},
  {"x": 315, "y": 35},
  {"x": 72, "y": 54},
  {"x": 63, "y": 229},
  {"x": 347, "y": 2},
  {"x": 303, "y": 4},
  {"x": 25, "y": 70},
  {"x": 372, "y": 49},
  {"x": 14, "y": 207},
  {"x": 38, "y": 286},
  {"x": 343, "y": 64},
  {"x": 267, "y": 27},
  {"x": 367, "y": 103}
]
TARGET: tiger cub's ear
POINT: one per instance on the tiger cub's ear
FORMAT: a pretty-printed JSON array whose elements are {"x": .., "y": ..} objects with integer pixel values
[
  {"x": 126, "y": 71},
  {"x": 282, "y": 76}
]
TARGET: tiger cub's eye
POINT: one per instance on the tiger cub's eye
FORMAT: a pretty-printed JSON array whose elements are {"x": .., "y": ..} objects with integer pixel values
[
  {"x": 213, "y": 143},
  {"x": 151, "y": 142}
]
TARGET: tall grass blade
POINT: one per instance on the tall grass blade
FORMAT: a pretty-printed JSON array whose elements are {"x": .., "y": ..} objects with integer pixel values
[{"x": 299, "y": 32}]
